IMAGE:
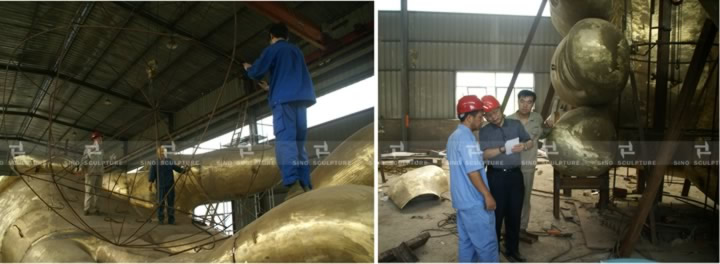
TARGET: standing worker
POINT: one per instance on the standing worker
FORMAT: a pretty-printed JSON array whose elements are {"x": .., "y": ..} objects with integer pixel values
[
  {"x": 503, "y": 173},
  {"x": 92, "y": 163},
  {"x": 291, "y": 92},
  {"x": 533, "y": 123},
  {"x": 471, "y": 196},
  {"x": 161, "y": 173}
]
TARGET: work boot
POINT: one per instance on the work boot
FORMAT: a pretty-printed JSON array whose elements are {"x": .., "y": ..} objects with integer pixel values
[
  {"x": 516, "y": 257},
  {"x": 297, "y": 183}
]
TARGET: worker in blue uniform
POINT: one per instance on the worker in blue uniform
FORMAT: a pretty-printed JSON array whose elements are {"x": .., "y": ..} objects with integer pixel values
[
  {"x": 471, "y": 196},
  {"x": 161, "y": 173},
  {"x": 291, "y": 92}
]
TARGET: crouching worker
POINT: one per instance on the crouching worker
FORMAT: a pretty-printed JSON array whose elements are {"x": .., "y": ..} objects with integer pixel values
[
  {"x": 161, "y": 173},
  {"x": 468, "y": 185}
]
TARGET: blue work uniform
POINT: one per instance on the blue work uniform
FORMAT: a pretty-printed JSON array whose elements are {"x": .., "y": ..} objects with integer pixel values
[
  {"x": 505, "y": 179},
  {"x": 164, "y": 176},
  {"x": 291, "y": 93},
  {"x": 475, "y": 225}
]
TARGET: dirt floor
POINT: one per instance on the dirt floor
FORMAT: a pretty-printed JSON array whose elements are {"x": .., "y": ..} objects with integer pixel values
[{"x": 685, "y": 233}]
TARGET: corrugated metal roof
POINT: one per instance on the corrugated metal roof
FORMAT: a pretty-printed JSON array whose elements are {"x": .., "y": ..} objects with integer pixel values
[{"x": 114, "y": 35}]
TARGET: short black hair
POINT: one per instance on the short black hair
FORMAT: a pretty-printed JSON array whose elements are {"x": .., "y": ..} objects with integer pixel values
[
  {"x": 465, "y": 115},
  {"x": 526, "y": 93},
  {"x": 279, "y": 30}
]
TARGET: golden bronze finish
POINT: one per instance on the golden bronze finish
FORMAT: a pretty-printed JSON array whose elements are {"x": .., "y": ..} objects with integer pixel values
[{"x": 430, "y": 179}]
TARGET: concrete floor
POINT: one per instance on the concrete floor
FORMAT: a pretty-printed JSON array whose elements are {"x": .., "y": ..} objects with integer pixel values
[{"x": 396, "y": 226}]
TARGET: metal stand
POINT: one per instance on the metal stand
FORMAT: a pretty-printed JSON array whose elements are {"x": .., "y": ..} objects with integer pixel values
[{"x": 567, "y": 183}]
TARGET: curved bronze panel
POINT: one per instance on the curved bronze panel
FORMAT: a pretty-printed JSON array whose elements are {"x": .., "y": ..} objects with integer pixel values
[
  {"x": 332, "y": 224},
  {"x": 584, "y": 139},
  {"x": 565, "y": 13},
  {"x": 350, "y": 163},
  {"x": 219, "y": 175},
  {"x": 430, "y": 179},
  {"x": 591, "y": 65}
]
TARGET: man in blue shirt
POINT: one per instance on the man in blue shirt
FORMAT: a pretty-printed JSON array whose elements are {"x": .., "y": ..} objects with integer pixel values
[
  {"x": 504, "y": 175},
  {"x": 471, "y": 196},
  {"x": 291, "y": 92},
  {"x": 161, "y": 172}
]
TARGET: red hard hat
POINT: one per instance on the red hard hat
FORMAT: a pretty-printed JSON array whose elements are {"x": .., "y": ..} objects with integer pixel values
[
  {"x": 489, "y": 103},
  {"x": 468, "y": 104},
  {"x": 95, "y": 134}
]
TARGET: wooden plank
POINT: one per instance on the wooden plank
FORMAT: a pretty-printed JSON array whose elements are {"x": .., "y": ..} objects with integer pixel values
[{"x": 596, "y": 235}]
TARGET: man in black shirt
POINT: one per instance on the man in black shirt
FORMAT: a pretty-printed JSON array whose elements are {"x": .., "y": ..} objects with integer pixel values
[{"x": 504, "y": 175}]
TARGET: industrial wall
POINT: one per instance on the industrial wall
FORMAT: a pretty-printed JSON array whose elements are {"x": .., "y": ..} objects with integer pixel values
[{"x": 440, "y": 44}]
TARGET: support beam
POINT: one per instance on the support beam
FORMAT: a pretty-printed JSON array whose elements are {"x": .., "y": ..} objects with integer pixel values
[
  {"x": 171, "y": 27},
  {"x": 524, "y": 52},
  {"x": 92, "y": 69},
  {"x": 347, "y": 40},
  {"x": 38, "y": 142},
  {"x": 661, "y": 73},
  {"x": 171, "y": 122},
  {"x": 55, "y": 120},
  {"x": 358, "y": 34},
  {"x": 79, "y": 18},
  {"x": 167, "y": 69},
  {"x": 667, "y": 149},
  {"x": 404, "y": 75},
  {"x": 303, "y": 27},
  {"x": 686, "y": 188},
  {"x": 711, "y": 7},
  {"x": 65, "y": 77},
  {"x": 548, "y": 102},
  {"x": 127, "y": 70}
]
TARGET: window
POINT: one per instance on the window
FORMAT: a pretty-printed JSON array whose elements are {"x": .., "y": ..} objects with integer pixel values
[
  {"x": 216, "y": 143},
  {"x": 215, "y": 215},
  {"x": 505, "y": 7},
  {"x": 345, "y": 101},
  {"x": 492, "y": 83}
]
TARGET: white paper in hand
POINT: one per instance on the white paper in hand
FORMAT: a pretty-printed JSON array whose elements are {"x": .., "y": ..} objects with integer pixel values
[{"x": 509, "y": 145}]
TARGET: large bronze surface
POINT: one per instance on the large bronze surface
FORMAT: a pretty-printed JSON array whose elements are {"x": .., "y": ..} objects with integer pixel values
[
  {"x": 350, "y": 163},
  {"x": 219, "y": 175},
  {"x": 584, "y": 142},
  {"x": 565, "y": 13},
  {"x": 591, "y": 65},
  {"x": 332, "y": 224}
]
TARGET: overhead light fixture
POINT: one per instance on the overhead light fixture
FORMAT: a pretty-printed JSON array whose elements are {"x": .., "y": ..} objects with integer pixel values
[
  {"x": 172, "y": 45},
  {"x": 107, "y": 101}
]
